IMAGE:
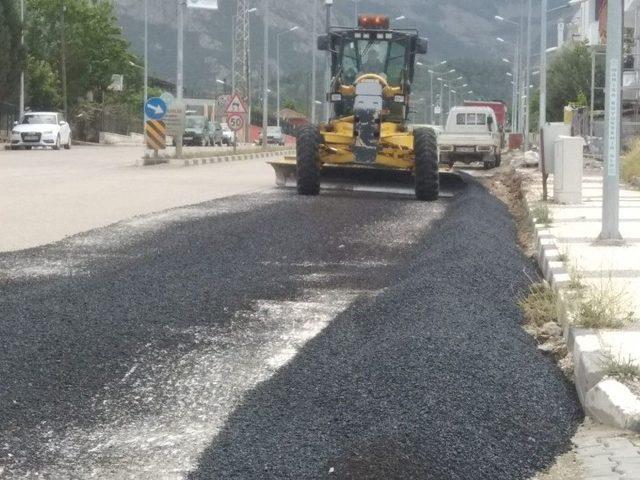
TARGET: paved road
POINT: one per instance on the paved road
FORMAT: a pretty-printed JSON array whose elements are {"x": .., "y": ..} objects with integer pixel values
[
  {"x": 354, "y": 335},
  {"x": 47, "y": 195}
]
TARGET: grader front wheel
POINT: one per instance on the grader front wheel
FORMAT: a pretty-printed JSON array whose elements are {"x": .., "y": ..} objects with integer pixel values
[
  {"x": 425, "y": 147},
  {"x": 307, "y": 160}
]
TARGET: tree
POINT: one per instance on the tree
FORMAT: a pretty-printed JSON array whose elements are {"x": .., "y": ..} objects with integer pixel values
[
  {"x": 95, "y": 50},
  {"x": 569, "y": 80},
  {"x": 11, "y": 53}
]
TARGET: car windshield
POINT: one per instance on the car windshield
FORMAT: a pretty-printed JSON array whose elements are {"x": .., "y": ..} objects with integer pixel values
[
  {"x": 39, "y": 119},
  {"x": 195, "y": 122},
  {"x": 381, "y": 57}
]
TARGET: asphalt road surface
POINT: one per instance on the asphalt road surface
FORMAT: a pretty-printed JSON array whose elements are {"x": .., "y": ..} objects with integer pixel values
[{"x": 357, "y": 335}]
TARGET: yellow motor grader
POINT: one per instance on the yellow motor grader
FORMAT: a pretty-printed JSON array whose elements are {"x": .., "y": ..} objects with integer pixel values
[{"x": 372, "y": 70}]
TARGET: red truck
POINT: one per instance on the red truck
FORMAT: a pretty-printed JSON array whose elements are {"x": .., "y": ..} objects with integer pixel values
[{"x": 500, "y": 109}]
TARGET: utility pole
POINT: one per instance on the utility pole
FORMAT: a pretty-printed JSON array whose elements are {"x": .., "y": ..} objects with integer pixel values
[
  {"x": 265, "y": 80},
  {"x": 527, "y": 79},
  {"x": 64, "y": 62},
  {"x": 180, "y": 68},
  {"x": 613, "y": 117},
  {"x": 314, "y": 36},
  {"x": 22, "y": 73},
  {"x": 355, "y": 2}
]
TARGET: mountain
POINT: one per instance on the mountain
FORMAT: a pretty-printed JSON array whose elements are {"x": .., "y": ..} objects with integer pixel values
[{"x": 461, "y": 31}]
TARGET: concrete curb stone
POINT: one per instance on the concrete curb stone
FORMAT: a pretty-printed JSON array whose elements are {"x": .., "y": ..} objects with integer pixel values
[{"x": 604, "y": 399}]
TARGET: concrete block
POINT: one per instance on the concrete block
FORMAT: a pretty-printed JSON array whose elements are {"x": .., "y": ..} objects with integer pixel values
[
  {"x": 587, "y": 362},
  {"x": 612, "y": 403}
]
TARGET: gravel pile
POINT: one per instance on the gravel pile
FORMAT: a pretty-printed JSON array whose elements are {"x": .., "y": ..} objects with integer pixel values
[{"x": 431, "y": 377}]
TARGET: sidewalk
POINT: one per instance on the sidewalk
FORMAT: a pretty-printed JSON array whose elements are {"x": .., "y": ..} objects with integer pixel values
[{"x": 610, "y": 275}]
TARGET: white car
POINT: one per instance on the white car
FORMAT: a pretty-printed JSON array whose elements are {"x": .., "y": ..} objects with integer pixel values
[{"x": 41, "y": 129}]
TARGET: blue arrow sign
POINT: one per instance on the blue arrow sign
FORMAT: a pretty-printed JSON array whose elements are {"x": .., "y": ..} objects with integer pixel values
[{"x": 155, "y": 108}]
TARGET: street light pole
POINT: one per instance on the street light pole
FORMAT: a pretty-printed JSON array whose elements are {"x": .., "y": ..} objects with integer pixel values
[
  {"x": 64, "y": 62},
  {"x": 278, "y": 37},
  {"x": 314, "y": 14},
  {"x": 265, "y": 80},
  {"x": 180, "y": 68},
  {"x": 431, "y": 110},
  {"x": 611, "y": 189},
  {"x": 22, "y": 73},
  {"x": 543, "y": 68},
  {"x": 527, "y": 79},
  {"x": 328, "y": 73}
]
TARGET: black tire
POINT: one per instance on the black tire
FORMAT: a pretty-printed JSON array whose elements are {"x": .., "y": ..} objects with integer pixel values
[
  {"x": 307, "y": 148},
  {"x": 425, "y": 147}
]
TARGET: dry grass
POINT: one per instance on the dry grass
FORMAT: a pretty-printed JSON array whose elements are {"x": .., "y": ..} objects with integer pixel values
[
  {"x": 541, "y": 214},
  {"x": 540, "y": 306},
  {"x": 603, "y": 306},
  {"x": 631, "y": 165},
  {"x": 622, "y": 368}
]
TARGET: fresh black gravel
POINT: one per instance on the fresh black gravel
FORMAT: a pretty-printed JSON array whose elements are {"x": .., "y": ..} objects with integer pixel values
[{"x": 432, "y": 377}]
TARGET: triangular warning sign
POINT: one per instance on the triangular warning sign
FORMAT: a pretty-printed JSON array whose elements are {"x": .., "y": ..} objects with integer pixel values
[{"x": 236, "y": 105}]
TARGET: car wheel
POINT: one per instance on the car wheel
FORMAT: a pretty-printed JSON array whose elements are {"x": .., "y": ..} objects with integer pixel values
[{"x": 57, "y": 144}]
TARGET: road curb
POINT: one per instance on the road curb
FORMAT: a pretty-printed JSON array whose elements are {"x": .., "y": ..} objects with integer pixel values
[
  {"x": 191, "y": 162},
  {"x": 604, "y": 399}
]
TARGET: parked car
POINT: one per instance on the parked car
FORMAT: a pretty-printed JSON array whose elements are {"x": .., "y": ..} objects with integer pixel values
[
  {"x": 41, "y": 129},
  {"x": 472, "y": 135},
  {"x": 197, "y": 132},
  {"x": 216, "y": 136},
  {"x": 274, "y": 136},
  {"x": 228, "y": 135}
]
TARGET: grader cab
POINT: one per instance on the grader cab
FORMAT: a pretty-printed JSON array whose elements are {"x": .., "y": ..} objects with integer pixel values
[{"x": 372, "y": 70}]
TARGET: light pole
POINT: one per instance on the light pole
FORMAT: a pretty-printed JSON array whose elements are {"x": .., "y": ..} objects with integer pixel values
[
  {"x": 265, "y": 80},
  {"x": 431, "y": 73},
  {"x": 64, "y": 62},
  {"x": 527, "y": 78},
  {"x": 611, "y": 189},
  {"x": 443, "y": 79},
  {"x": 22, "y": 72},
  {"x": 278, "y": 37},
  {"x": 314, "y": 15},
  {"x": 355, "y": 5},
  {"x": 514, "y": 76},
  {"x": 180, "y": 68},
  {"x": 517, "y": 70},
  {"x": 327, "y": 104}
]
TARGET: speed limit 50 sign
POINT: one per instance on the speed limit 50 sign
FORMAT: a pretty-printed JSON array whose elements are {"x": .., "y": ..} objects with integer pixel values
[{"x": 235, "y": 122}]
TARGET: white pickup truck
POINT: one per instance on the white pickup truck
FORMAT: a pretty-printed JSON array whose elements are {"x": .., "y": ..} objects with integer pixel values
[{"x": 471, "y": 135}]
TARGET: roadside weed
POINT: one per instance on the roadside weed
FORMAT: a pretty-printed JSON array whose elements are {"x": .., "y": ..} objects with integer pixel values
[
  {"x": 622, "y": 368},
  {"x": 603, "y": 306},
  {"x": 540, "y": 306},
  {"x": 541, "y": 214}
]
